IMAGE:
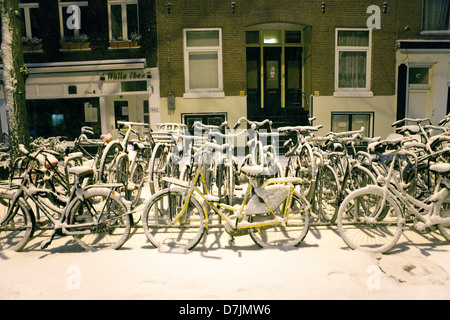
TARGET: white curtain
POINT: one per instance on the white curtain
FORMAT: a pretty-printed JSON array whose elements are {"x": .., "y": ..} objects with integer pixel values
[
  {"x": 203, "y": 70},
  {"x": 352, "y": 46},
  {"x": 436, "y": 15},
  {"x": 352, "y": 69}
]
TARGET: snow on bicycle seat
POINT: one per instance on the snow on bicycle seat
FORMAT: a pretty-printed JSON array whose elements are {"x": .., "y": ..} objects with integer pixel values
[
  {"x": 81, "y": 171},
  {"x": 440, "y": 167},
  {"x": 393, "y": 138},
  {"x": 252, "y": 170}
]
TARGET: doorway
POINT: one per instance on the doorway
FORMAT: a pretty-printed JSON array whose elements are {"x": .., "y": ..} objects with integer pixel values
[{"x": 275, "y": 79}]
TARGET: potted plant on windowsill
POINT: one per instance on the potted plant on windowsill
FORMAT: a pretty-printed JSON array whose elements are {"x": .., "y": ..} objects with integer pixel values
[
  {"x": 133, "y": 42},
  {"x": 31, "y": 44},
  {"x": 80, "y": 42}
]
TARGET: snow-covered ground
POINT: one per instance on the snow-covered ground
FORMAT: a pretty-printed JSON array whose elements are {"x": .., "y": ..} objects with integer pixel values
[{"x": 321, "y": 268}]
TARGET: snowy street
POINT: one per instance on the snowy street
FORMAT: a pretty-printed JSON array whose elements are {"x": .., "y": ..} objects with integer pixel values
[{"x": 322, "y": 267}]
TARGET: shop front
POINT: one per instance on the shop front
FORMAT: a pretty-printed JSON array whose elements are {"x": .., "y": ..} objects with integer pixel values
[{"x": 63, "y": 97}]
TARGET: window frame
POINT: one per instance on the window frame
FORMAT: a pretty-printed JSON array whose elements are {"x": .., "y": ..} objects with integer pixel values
[
  {"x": 350, "y": 92},
  {"x": 123, "y": 4},
  {"x": 203, "y": 92},
  {"x": 27, "y": 17},
  {"x": 63, "y": 6}
]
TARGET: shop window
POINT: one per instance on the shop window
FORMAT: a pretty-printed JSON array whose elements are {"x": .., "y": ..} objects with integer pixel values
[
  {"x": 436, "y": 16},
  {"x": 346, "y": 121},
  {"x": 203, "y": 60},
  {"x": 121, "y": 111},
  {"x": 146, "y": 112},
  {"x": 353, "y": 60},
  {"x": 123, "y": 20},
  {"x": 133, "y": 86}
]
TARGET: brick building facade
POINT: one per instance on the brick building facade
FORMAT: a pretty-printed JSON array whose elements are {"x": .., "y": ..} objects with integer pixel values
[
  {"x": 349, "y": 63},
  {"x": 341, "y": 96}
]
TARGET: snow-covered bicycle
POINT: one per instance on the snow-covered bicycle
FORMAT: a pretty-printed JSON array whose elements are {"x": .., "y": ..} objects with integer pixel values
[
  {"x": 373, "y": 218},
  {"x": 272, "y": 213},
  {"x": 96, "y": 215}
]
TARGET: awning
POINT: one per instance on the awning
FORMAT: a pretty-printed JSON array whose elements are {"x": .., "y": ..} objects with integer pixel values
[{"x": 87, "y": 66}]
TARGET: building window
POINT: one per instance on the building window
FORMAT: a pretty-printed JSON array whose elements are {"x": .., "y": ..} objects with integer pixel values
[
  {"x": 68, "y": 31},
  {"x": 123, "y": 19},
  {"x": 29, "y": 20},
  {"x": 353, "y": 60},
  {"x": 435, "y": 16},
  {"x": 346, "y": 121},
  {"x": 203, "y": 61}
]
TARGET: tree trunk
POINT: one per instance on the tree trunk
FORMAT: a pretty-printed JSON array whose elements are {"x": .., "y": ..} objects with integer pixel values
[{"x": 14, "y": 76}]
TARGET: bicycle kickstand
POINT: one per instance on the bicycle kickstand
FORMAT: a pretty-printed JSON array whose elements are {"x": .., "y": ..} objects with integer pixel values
[{"x": 46, "y": 243}]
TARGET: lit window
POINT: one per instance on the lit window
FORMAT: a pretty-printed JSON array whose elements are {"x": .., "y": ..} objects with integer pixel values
[
  {"x": 203, "y": 60},
  {"x": 353, "y": 55}
]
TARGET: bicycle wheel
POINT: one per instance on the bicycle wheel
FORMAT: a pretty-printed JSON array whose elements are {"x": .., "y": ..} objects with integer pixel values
[
  {"x": 328, "y": 192},
  {"x": 107, "y": 161},
  {"x": 367, "y": 222},
  {"x": 307, "y": 170},
  {"x": 104, "y": 216},
  {"x": 423, "y": 182},
  {"x": 357, "y": 177},
  {"x": 16, "y": 231},
  {"x": 157, "y": 168},
  {"x": 136, "y": 181},
  {"x": 291, "y": 234},
  {"x": 161, "y": 229},
  {"x": 444, "y": 229}
]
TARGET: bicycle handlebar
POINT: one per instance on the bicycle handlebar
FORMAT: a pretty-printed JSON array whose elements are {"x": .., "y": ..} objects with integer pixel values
[
  {"x": 301, "y": 128},
  {"x": 256, "y": 123},
  {"x": 129, "y": 124},
  {"x": 416, "y": 120},
  {"x": 199, "y": 125}
]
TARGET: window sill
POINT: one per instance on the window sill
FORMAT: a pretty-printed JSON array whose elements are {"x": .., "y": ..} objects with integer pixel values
[
  {"x": 435, "y": 32},
  {"x": 203, "y": 95},
  {"x": 353, "y": 94}
]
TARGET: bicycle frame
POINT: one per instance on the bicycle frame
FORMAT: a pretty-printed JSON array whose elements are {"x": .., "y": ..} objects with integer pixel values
[
  {"x": 430, "y": 215},
  {"x": 76, "y": 193},
  {"x": 233, "y": 220}
]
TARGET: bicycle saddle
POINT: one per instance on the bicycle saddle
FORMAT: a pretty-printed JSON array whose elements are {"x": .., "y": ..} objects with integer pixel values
[
  {"x": 81, "y": 171},
  {"x": 440, "y": 167},
  {"x": 252, "y": 170}
]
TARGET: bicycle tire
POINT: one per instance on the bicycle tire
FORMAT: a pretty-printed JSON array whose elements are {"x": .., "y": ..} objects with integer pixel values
[
  {"x": 166, "y": 234},
  {"x": 157, "y": 168},
  {"x": 17, "y": 231},
  {"x": 114, "y": 228},
  {"x": 423, "y": 182},
  {"x": 307, "y": 170},
  {"x": 107, "y": 161},
  {"x": 444, "y": 229},
  {"x": 378, "y": 236},
  {"x": 283, "y": 236},
  {"x": 327, "y": 193},
  {"x": 137, "y": 181},
  {"x": 357, "y": 177}
]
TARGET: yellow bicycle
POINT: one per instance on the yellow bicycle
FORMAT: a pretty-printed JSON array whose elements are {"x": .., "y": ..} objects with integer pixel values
[{"x": 272, "y": 212}]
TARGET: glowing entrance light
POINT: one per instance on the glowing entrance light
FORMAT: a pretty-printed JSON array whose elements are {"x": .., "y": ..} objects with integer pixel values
[{"x": 272, "y": 37}]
